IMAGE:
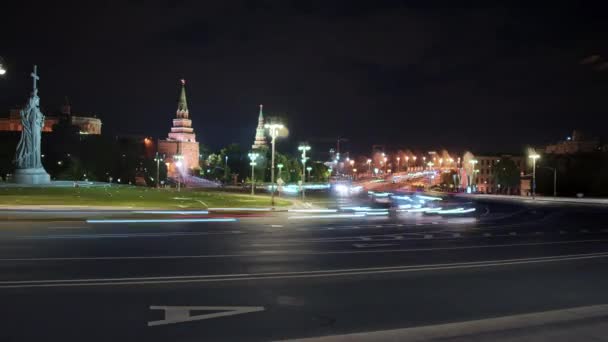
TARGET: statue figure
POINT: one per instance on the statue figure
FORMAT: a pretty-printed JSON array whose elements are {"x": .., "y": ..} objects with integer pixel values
[{"x": 28, "y": 164}]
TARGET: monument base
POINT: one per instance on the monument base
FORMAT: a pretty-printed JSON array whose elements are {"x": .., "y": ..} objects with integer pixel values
[{"x": 31, "y": 176}]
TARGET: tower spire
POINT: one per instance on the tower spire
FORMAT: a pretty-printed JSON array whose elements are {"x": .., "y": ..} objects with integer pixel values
[
  {"x": 260, "y": 136},
  {"x": 261, "y": 116},
  {"x": 182, "y": 104}
]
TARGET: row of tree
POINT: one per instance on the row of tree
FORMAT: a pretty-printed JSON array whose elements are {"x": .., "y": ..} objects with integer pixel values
[{"x": 68, "y": 155}]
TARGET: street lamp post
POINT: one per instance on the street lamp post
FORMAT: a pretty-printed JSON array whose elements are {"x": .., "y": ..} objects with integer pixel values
[
  {"x": 178, "y": 164},
  {"x": 303, "y": 148},
  {"x": 398, "y": 160},
  {"x": 534, "y": 156},
  {"x": 252, "y": 157},
  {"x": 273, "y": 130},
  {"x": 473, "y": 163},
  {"x": 309, "y": 168},
  {"x": 158, "y": 159},
  {"x": 369, "y": 166},
  {"x": 226, "y": 169}
]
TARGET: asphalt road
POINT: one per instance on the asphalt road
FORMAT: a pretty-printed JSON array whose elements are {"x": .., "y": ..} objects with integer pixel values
[{"x": 295, "y": 275}]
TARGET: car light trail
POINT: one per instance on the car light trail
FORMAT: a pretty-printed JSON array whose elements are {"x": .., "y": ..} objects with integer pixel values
[
  {"x": 163, "y": 220},
  {"x": 240, "y": 209},
  {"x": 313, "y": 210},
  {"x": 186, "y": 212},
  {"x": 327, "y": 216}
]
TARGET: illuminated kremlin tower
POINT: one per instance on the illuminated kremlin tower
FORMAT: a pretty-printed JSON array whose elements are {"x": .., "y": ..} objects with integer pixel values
[
  {"x": 260, "y": 136},
  {"x": 181, "y": 149}
]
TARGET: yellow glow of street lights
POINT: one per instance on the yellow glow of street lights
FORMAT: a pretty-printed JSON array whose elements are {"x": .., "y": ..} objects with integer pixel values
[{"x": 534, "y": 156}]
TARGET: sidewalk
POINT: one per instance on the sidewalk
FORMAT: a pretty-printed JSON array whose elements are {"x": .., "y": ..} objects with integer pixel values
[
  {"x": 587, "y": 323},
  {"x": 538, "y": 199}
]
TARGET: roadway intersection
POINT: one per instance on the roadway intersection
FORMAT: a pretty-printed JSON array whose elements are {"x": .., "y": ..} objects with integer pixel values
[{"x": 290, "y": 275}]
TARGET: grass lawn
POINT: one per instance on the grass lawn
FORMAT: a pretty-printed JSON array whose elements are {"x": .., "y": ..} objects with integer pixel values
[{"x": 138, "y": 197}]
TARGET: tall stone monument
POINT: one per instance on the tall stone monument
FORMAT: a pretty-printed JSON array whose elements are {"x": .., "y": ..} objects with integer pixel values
[{"x": 28, "y": 165}]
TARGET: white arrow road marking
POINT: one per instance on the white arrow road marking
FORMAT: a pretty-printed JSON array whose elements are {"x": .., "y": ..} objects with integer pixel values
[
  {"x": 179, "y": 314},
  {"x": 370, "y": 245}
]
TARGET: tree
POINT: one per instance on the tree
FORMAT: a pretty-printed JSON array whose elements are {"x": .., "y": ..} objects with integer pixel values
[
  {"x": 319, "y": 172},
  {"x": 507, "y": 175}
]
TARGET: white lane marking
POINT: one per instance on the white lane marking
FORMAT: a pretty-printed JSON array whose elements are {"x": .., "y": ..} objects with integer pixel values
[
  {"x": 276, "y": 225},
  {"x": 291, "y": 275},
  {"x": 121, "y": 235},
  {"x": 185, "y": 220},
  {"x": 365, "y": 238},
  {"x": 179, "y": 314},
  {"x": 487, "y": 234},
  {"x": 434, "y": 222},
  {"x": 398, "y": 237},
  {"x": 371, "y": 245},
  {"x": 378, "y": 226},
  {"x": 70, "y": 227},
  {"x": 288, "y": 252},
  {"x": 399, "y": 225},
  {"x": 458, "y": 330}
]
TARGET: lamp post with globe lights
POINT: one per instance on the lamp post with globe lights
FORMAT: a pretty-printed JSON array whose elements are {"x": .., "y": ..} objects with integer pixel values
[
  {"x": 303, "y": 148},
  {"x": 158, "y": 158},
  {"x": 473, "y": 162},
  {"x": 273, "y": 130},
  {"x": 252, "y": 157},
  {"x": 534, "y": 157},
  {"x": 178, "y": 165}
]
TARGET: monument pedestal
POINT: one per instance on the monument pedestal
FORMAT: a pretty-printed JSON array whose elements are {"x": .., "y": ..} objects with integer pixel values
[{"x": 31, "y": 176}]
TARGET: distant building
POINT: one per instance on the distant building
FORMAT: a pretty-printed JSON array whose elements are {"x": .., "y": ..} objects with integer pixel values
[
  {"x": 486, "y": 176},
  {"x": 181, "y": 141},
  {"x": 577, "y": 143},
  {"x": 260, "y": 134},
  {"x": 87, "y": 124}
]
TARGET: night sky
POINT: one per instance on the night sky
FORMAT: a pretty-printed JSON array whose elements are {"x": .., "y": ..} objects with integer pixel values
[{"x": 418, "y": 74}]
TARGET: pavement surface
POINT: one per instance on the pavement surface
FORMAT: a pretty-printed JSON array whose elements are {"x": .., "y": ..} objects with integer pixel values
[{"x": 306, "y": 273}]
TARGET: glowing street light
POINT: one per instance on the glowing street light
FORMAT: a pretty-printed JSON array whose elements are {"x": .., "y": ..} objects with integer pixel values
[
  {"x": 398, "y": 159},
  {"x": 158, "y": 158},
  {"x": 534, "y": 156},
  {"x": 304, "y": 148},
  {"x": 309, "y": 168},
  {"x": 253, "y": 157},
  {"x": 273, "y": 130},
  {"x": 369, "y": 166},
  {"x": 2, "y": 69},
  {"x": 178, "y": 163},
  {"x": 473, "y": 162},
  {"x": 280, "y": 167}
]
